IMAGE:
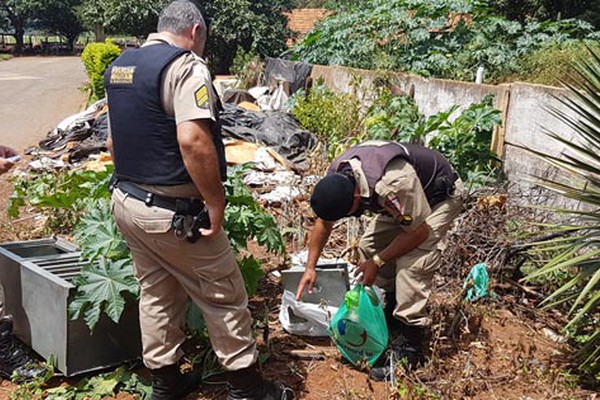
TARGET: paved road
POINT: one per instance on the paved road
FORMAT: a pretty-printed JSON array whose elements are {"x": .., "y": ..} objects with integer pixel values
[{"x": 36, "y": 93}]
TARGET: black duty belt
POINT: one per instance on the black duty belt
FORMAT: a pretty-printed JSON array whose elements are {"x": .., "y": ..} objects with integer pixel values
[{"x": 185, "y": 206}]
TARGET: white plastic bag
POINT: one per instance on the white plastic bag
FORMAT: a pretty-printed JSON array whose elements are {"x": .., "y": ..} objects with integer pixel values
[
  {"x": 306, "y": 319},
  {"x": 279, "y": 98}
]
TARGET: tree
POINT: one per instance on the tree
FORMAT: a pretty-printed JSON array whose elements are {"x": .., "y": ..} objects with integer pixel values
[
  {"x": 133, "y": 17},
  {"x": 258, "y": 26},
  {"x": 253, "y": 25},
  {"x": 59, "y": 17},
  {"x": 523, "y": 10},
  {"x": 55, "y": 16},
  {"x": 18, "y": 13}
]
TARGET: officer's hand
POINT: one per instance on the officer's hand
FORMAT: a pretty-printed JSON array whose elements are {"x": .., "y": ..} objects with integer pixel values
[
  {"x": 216, "y": 216},
  {"x": 369, "y": 270},
  {"x": 307, "y": 281}
]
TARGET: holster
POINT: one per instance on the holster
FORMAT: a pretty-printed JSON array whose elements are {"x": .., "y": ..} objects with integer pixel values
[{"x": 189, "y": 218}]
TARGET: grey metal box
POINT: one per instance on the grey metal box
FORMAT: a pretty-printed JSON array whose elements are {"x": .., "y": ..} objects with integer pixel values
[
  {"x": 36, "y": 277},
  {"x": 331, "y": 285}
]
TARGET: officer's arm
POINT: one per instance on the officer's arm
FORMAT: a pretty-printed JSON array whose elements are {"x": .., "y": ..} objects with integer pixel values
[
  {"x": 109, "y": 145},
  {"x": 318, "y": 239},
  {"x": 109, "y": 142},
  {"x": 202, "y": 163},
  {"x": 404, "y": 242}
]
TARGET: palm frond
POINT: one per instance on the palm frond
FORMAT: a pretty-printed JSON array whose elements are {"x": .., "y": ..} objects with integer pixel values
[{"x": 577, "y": 250}]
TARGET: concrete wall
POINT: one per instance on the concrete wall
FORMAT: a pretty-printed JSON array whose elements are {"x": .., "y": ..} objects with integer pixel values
[{"x": 523, "y": 106}]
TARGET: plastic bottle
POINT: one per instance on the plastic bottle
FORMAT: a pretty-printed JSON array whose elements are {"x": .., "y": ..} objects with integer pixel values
[
  {"x": 351, "y": 302},
  {"x": 351, "y": 299}
]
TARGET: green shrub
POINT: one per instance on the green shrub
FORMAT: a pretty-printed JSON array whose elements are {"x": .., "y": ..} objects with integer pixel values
[
  {"x": 466, "y": 141},
  {"x": 398, "y": 118},
  {"x": 551, "y": 65},
  {"x": 248, "y": 68},
  {"x": 418, "y": 37},
  {"x": 96, "y": 57},
  {"x": 332, "y": 117}
]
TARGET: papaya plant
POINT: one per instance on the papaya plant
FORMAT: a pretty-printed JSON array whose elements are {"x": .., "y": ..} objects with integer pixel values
[{"x": 107, "y": 279}]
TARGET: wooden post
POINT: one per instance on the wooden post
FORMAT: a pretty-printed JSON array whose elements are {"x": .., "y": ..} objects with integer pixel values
[{"x": 499, "y": 134}]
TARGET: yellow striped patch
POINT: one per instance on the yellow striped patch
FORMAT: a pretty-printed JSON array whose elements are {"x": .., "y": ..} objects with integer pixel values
[{"x": 201, "y": 96}]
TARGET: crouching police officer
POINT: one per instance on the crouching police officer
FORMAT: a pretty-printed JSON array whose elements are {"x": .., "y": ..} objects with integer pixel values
[
  {"x": 415, "y": 195},
  {"x": 168, "y": 201}
]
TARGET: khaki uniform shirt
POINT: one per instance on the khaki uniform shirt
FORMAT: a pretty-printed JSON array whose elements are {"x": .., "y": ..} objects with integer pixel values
[{"x": 399, "y": 192}]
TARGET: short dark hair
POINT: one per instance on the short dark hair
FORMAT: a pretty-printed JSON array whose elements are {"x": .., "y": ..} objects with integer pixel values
[{"x": 179, "y": 16}]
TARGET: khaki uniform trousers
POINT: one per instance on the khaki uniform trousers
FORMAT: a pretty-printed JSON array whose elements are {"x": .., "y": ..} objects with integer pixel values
[
  {"x": 169, "y": 270},
  {"x": 411, "y": 275}
]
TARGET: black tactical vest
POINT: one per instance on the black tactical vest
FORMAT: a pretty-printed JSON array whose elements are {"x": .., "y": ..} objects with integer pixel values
[
  {"x": 145, "y": 147},
  {"x": 434, "y": 172}
]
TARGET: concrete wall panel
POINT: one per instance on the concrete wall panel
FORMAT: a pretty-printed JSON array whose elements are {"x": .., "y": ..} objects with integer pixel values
[{"x": 523, "y": 106}]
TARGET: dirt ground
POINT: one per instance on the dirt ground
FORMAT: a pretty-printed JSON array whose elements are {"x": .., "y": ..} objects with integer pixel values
[{"x": 504, "y": 348}]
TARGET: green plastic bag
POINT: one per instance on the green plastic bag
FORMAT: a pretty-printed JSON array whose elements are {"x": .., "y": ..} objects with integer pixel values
[
  {"x": 359, "y": 329},
  {"x": 478, "y": 282}
]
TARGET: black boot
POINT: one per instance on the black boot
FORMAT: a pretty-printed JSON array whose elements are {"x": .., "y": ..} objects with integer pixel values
[
  {"x": 407, "y": 350},
  {"x": 168, "y": 383},
  {"x": 248, "y": 384}
]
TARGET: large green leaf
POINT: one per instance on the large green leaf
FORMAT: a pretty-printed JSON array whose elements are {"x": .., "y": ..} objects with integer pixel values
[
  {"x": 252, "y": 273},
  {"x": 98, "y": 235},
  {"x": 100, "y": 288}
]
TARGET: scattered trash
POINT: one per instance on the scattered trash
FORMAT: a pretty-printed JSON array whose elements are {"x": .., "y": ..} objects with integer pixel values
[
  {"x": 279, "y": 98},
  {"x": 280, "y": 194},
  {"x": 258, "y": 91},
  {"x": 300, "y": 259},
  {"x": 294, "y": 73},
  {"x": 46, "y": 163},
  {"x": 15, "y": 357},
  {"x": 550, "y": 334},
  {"x": 477, "y": 283},
  {"x": 240, "y": 152},
  {"x": 74, "y": 138},
  {"x": 237, "y": 96},
  {"x": 277, "y": 130},
  {"x": 276, "y": 178},
  {"x": 303, "y": 318}
]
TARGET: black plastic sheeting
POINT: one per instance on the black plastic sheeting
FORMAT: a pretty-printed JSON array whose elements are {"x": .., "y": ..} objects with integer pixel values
[
  {"x": 89, "y": 136},
  {"x": 275, "y": 129},
  {"x": 294, "y": 72}
]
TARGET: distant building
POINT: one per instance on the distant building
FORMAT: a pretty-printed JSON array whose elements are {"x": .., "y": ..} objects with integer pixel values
[{"x": 302, "y": 20}]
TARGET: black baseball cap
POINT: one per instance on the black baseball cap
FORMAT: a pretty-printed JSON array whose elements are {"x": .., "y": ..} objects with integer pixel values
[{"x": 333, "y": 197}]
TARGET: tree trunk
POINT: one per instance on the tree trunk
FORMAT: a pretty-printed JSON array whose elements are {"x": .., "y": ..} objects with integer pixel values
[
  {"x": 99, "y": 32},
  {"x": 18, "y": 35}
]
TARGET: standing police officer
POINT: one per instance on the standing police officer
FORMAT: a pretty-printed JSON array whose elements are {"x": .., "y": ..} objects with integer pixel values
[
  {"x": 168, "y": 201},
  {"x": 415, "y": 195}
]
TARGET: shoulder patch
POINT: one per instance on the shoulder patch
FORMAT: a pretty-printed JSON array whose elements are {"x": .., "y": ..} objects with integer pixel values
[
  {"x": 122, "y": 75},
  {"x": 201, "y": 97}
]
